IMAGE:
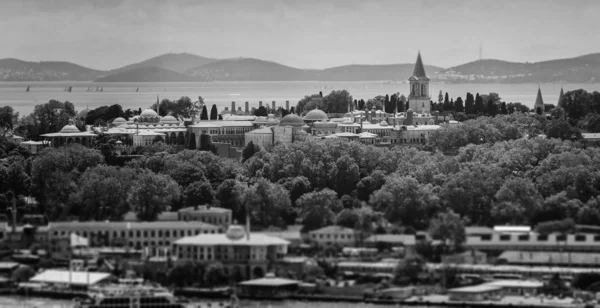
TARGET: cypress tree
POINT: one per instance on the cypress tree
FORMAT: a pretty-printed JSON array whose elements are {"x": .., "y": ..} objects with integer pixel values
[
  {"x": 204, "y": 115},
  {"x": 394, "y": 102},
  {"x": 248, "y": 151},
  {"x": 292, "y": 110},
  {"x": 458, "y": 105},
  {"x": 386, "y": 105},
  {"x": 503, "y": 109},
  {"x": 479, "y": 107},
  {"x": 491, "y": 108},
  {"x": 470, "y": 104},
  {"x": 440, "y": 98},
  {"x": 214, "y": 114},
  {"x": 446, "y": 102}
]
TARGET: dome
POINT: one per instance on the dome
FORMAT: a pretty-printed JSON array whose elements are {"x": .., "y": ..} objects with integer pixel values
[
  {"x": 316, "y": 115},
  {"x": 69, "y": 129},
  {"x": 225, "y": 111},
  {"x": 235, "y": 232},
  {"x": 271, "y": 116},
  {"x": 149, "y": 113},
  {"x": 291, "y": 120},
  {"x": 383, "y": 123},
  {"x": 348, "y": 121},
  {"x": 168, "y": 119},
  {"x": 119, "y": 121}
]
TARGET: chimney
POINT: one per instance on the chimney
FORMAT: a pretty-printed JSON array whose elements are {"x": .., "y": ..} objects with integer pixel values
[
  {"x": 373, "y": 116},
  {"x": 259, "y": 104},
  {"x": 273, "y": 104},
  {"x": 368, "y": 115},
  {"x": 287, "y": 106},
  {"x": 247, "y": 108},
  {"x": 233, "y": 107},
  {"x": 409, "y": 117}
]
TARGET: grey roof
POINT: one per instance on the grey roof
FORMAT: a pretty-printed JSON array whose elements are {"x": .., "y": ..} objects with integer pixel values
[
  {"x": 406, "y": 239},
  {"x": 531, "y": 257},
  {"x": 419, "y": 70},
  {"x": 538, "y": 100}
]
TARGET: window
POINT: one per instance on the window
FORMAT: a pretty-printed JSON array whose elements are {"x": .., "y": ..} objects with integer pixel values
[
  {"x": 486, "y": 237},
  {"x": 542, "y": 237},
  {"x": 505, "y": 237},
  {"x": 580, "y": 238},
  {"x": 159, "y": 233},
  {"x": 596, "y": 238},
  {"x": 524, "y": 237},
  {"x": 561, "y": 237}
]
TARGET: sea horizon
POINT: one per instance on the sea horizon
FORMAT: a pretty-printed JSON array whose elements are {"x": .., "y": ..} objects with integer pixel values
[{"x": 222, "y": 93}]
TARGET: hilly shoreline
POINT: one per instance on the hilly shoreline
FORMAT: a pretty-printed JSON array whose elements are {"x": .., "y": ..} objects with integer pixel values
[{"x": 185, "y": 67}]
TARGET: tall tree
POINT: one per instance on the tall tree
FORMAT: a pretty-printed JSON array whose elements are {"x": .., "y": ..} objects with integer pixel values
[
  {"x": 401, "y": 103},
  {"x": 151, "y": 194},
  {"x": 268, "y": 203},
  {"x": 491, "y": 109},
  {"x": 261, "y": 112},
  {"x": 8, "y": 119},
  {"x": 214, "y": 114},
  {"x": 470, "y": 104},
  {"x": 448, "y": 227},
  {"x": 199, "y": 193},
  {"x": 479, "y": 106},
  {"x": 503, "y": 109},
  {"x": 318, "y": 209},
  {"x": 204, "y": 115},
  {"x": 346, "y": 175},
  {"x": 458, "y": 105},
  {"x": 447, "y": 104},
  {"x": 440, "y": 98}
]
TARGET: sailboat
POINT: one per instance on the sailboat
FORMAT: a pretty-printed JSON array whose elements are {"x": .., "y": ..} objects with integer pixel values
[
  {"x": 69, "y": 89},
  {"x": 101, "y": 89},
  {"x": 27, "y": 90},
  {"x": 137, "y": 89},
  {"x": 66, "y": 89},
  {"x": 97, "y": 88}
]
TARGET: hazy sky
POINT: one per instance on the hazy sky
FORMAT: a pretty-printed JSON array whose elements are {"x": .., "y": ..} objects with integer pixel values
[{"x": 107, "y": 34}]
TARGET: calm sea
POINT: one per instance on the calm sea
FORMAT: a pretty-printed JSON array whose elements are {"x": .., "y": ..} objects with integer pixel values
[
  {"x": 21, "y": 302},
  {"x": 223, "y": 93}
]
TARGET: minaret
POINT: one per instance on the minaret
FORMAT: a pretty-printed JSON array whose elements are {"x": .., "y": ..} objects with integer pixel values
[
  {"x": 560, "y": 97},
  {"x": 539, "y": 102},
  {"x": 419, "y": 88}
]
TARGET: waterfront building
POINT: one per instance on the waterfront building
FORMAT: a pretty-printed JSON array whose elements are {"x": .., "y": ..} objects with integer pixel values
[
  {"x": 71, "y": 279},
  {"x": 501, "y": 240},
  {"x": 555, "y": 258},
  {"x": 389, "y": 241},
  {"x": 217, "y": 216},
  {"x": 33, "y": 146},
  {"x": 333, "y": 235},
  {"x": 245, "y": 255}
]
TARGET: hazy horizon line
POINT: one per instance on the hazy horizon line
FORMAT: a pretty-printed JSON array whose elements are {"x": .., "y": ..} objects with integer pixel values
[{"x": 241, "y": 57}]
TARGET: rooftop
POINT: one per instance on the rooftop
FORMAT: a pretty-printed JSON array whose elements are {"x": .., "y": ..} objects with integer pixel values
[
  {"x": 406, "y": 239},
  {"x": 121, "y": 225},
  {"x": 550, "y": 257},
  {"x": 256, "y": 239},
  {"x": 482, "y": 288},
  {"x": 73, "y": 278},
  {"x": 217, "y": 123},
  {"x": 270, "y": 282},
  {"x": 333, "y": 229},
  {"x": 205, "y": 209},
  {"x": 516, "y": 283}
]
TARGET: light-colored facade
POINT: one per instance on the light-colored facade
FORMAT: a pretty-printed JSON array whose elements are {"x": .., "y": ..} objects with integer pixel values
[
  {"x": 217, "y": 216},
  {"x": 246, "y": 255},
  {"x": 231, "y": 132},
  {"x": 419, "y": 98},
  {"x": 333, "y": 236}
]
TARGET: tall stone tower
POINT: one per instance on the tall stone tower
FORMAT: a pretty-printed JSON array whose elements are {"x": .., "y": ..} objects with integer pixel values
[{"x": 419, "y": 98}]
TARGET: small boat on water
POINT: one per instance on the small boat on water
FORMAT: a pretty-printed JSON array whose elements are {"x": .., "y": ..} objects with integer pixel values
[
  {"x": 137, "y": 90},
  {"x": 27, "y": 90}
]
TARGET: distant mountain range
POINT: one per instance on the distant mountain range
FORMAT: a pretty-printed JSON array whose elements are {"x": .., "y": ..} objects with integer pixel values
[
  {"x": 583, "y": 69},
  {"x": 189, "y": 67}
]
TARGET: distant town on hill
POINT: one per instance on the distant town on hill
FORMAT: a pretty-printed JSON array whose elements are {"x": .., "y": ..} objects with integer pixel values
[{"x": 185, "y": 67}]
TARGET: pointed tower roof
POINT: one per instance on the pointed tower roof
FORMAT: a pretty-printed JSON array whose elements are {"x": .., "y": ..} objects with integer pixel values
[
  {"x": 560, "y": 97},
  {"x": 538, "y": 100},
  {"x": 419, "y": 70}
]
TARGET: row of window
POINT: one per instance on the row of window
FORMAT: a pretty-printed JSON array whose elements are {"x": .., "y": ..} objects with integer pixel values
[
  {"x": 334, "y": 236},
  {"x": 539, "y": 237},
  {"x": 137, "y": 233}
]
